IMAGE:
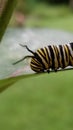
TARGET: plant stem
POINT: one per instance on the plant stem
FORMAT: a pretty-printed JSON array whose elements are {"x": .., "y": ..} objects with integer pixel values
[{"x": 6, "y": 15}]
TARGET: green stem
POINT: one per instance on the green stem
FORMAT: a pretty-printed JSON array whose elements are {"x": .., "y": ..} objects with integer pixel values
[{"x": 6, "y": 15}]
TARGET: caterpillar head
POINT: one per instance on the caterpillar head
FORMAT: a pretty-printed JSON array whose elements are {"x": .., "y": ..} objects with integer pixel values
[{"x": 36, "y": 63}]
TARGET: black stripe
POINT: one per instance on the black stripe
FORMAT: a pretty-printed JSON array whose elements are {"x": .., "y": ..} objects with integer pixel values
[
  {"x": 39, "y": 59},
  {"x": 36, "y": 62},
  {"x": 71, "y": 44},
  {"x": 37, "y": 65},
  {"x": 52, "y": 56},
  {"x": 57, "y": 55},
  {"x": 69, "y": 53},
  {"x": 66, "y": 53},
  {"x": 37, "y": 69},
  {"x": 41, "y": 54},
  {"x": 62, "y": 54},
  {"x": 32, "y": 62},
  {"x": 68, "y": 50}
]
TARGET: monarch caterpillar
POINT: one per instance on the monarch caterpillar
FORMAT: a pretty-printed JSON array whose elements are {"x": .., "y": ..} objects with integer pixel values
[{"x": 51, "y": 57}]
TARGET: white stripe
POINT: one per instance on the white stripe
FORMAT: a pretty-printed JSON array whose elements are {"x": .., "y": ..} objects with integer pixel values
[
  {"x": 48, "y": 52},
  {"x": 64, "y": 53},
  {"x": 59, "y": 52}
]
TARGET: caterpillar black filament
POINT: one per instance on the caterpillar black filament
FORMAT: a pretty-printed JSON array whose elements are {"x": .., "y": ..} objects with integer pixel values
[{"x": 51, "y": 57}]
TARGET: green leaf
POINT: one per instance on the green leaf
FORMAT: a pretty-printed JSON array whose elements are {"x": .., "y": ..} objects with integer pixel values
[{"x": 5, "y": 83}]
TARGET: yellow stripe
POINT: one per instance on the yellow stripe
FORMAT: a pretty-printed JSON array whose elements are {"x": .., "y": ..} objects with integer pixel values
[
  {"x": 43, "y": 59},
  {"x": 41, "y": 52},
  {"x": 71, "y": 54},
  {"x": 56, "y": 61},
  {"x": 38, "y": 67},
  {"x": 56, "y": 52},
  {"x": 67, "y": 52},
  {"x": 35, "y": 69},
  {"x": 50, "y": 59},
  {"x": 47, "y": 58},
  {"x": 71, "y": 60},
  {"x": 36, "y": 62}
]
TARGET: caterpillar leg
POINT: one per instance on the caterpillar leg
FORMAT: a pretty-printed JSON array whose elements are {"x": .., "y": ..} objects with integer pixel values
[
  {"x": 55, "y": 70},
  {"x": 48, "y": 71}
]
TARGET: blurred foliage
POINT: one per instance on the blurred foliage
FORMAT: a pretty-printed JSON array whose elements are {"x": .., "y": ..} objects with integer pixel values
[
  {"x": 39, "y": 13},
  {"x": 26, "y": 6},
  {"x": 55, "y": 1},
  {"x": 44, "y": 15},
  {"x": 46, "y": 11}
]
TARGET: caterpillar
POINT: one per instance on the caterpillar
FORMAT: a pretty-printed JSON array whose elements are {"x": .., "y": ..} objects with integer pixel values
[{"x": 52, "y": 57}]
